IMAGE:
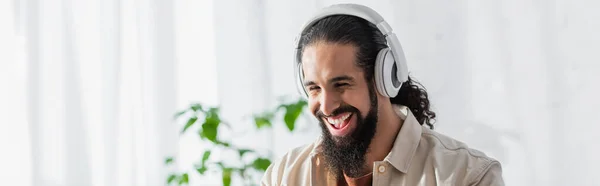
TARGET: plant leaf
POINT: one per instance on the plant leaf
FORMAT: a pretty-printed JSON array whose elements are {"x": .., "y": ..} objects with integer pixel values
[
  {"x": 289, "y": 119},
  {"x": 262, "y": 122},
  {"x": 171, "y": 178},
  {"x": 205, "y": 157},
  {"x": 179, "y": 114},
  {"x": 168, "y": 160},
  {"x": 190, "y": 122},
  {"x": 222, "y": 143},
  {"x": 201, "y": 170},
  {"x": 196, "y": 107},
  {"x": 227, "y": 177},
  {"x": 210, "y": 125},
  {"x": 214, "y": 111},
  {"x": 209, "y": 128},
  {"x": 291, "y": 114},
  {"x": 261, "y": 164},
  {"x": 292, "y": 111},
  {"x": 184, "y": 179},
  {"x": 244, "y": 151}
]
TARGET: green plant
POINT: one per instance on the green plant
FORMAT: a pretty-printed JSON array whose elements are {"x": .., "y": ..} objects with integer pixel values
[{"x": 211, "y": 125}]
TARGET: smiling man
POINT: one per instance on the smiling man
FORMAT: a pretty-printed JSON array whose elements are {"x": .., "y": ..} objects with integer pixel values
[{"x": 377, "y": 126}]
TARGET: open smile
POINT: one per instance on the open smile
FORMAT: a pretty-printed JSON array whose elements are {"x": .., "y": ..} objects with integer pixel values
[{"x": 340, "y": 124}]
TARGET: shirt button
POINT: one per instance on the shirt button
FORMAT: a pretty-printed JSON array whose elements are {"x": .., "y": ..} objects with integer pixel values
[{"x": 381, "y": 168}]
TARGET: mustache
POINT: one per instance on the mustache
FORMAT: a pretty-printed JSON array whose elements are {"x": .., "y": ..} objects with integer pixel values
[{"x": 339, "y": 110}]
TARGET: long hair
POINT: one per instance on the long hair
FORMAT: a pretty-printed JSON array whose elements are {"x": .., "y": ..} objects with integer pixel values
[{"x": 346, "y": 29}]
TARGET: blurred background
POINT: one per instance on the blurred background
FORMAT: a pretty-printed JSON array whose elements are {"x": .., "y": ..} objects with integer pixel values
[{"x": 88, "y": 88}]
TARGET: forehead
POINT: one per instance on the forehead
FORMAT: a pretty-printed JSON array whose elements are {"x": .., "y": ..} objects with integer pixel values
[{"x": 323, "y": 60}]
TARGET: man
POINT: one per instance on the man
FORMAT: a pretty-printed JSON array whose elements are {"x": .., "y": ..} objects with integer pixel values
[{"x": 376, "y": 122}]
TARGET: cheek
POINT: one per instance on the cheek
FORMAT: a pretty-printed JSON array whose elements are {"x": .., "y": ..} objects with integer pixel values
[
  {"x": 359, "y": 100},
  {"x": 313, "y": 106}
]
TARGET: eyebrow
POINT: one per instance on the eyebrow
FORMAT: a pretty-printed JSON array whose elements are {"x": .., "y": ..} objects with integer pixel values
[{"x": 332, "y": 80}]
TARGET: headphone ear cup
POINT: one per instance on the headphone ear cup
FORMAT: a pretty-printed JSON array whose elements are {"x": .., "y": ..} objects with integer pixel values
[
  {"x": 385, "y": 75},
  {"x": 300, "y": 81}
]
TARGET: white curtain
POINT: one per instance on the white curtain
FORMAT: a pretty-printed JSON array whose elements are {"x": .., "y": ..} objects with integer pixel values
[{"x": 88, "y": 88}]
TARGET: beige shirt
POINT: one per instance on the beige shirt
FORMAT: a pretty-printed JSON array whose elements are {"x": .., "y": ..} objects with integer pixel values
[{"x": 420, "y": 156}]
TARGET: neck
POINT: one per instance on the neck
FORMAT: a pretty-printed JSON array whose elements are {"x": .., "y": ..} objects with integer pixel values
[
  {"x": 388, "y": 127},
  {"x": 360, "y": 181}
]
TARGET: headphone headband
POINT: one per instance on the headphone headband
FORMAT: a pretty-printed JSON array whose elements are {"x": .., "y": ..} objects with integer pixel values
[{"x": 365, "y": 13}]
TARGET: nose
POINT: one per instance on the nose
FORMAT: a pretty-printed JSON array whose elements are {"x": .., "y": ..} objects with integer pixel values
[{"x": 329, "y": 102}]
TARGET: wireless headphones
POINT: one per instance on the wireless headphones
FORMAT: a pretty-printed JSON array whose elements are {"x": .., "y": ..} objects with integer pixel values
[{"x": 390, "y": 65}]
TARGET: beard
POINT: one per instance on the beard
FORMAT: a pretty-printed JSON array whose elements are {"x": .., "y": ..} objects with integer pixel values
[{"x": 347, "y": 154}]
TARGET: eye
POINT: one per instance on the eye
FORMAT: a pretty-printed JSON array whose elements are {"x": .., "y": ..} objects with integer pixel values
[
  {"x": 311, "y": 88},
  {"x": 339, "y": 85}
]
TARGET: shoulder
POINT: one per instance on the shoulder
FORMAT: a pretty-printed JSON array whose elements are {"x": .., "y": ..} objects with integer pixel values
[
  {"x": 455, "y": 155},
  {"x": 291, "y": 163}
]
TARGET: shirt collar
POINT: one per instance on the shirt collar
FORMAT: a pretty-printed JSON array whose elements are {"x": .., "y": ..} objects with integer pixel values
[{"x": 407, "y": 140}]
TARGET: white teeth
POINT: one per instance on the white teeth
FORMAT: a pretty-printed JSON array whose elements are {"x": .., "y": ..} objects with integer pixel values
[{"x": 338, "y": 122}]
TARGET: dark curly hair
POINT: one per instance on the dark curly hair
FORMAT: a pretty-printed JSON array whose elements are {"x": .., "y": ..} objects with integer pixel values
[{"x": 346, "y": 29}]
